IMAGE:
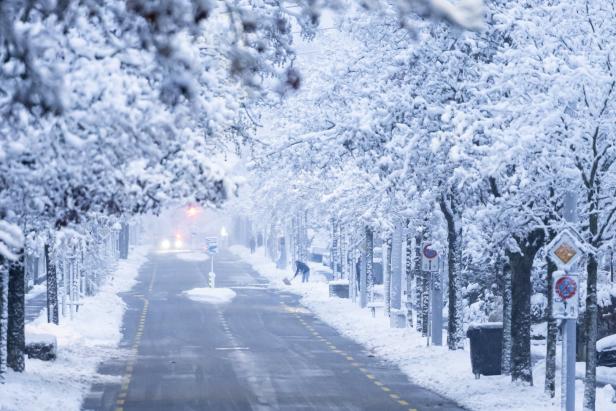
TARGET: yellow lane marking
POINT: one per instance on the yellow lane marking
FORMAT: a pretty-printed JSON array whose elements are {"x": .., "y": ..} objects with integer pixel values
[
  {"x": 135, "y": 349},
  {"x": 331, "y": 346}
]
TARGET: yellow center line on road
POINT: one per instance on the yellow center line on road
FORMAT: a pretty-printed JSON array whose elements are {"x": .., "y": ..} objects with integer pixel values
[
  {"x": 128, "y": 372},
  {"x": 334, "y": 349}
]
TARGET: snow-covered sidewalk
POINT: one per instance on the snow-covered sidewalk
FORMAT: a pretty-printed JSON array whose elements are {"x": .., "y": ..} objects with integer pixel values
[
  {"x": 443, "y": 371},
  {"x": 83, "y": 343}
]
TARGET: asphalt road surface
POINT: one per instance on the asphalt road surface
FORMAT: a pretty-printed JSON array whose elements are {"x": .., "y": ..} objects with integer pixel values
[{"x": 262, "y": 351}]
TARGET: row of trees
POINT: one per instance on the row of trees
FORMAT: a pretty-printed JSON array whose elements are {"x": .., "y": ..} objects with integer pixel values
[
  {"x": 120, "y": 108},
  {"x": 474, "y": 138},
  {"x": 106, "y": 113}
]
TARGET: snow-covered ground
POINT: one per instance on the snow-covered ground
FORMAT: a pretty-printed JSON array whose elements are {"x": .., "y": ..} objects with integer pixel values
[
  {"x": 196, "y": 256},
  {"x": 437, "y": 368},
  {"x": 84, "y": 342},
  {"x": 211, "y": 295}
]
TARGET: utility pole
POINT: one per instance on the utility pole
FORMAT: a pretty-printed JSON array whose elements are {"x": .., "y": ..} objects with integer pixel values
[{"x": 569, "y": 331}]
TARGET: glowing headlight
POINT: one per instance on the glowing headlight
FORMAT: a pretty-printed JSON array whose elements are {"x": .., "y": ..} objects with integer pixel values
[
  {"x": 165, "y": 244},
  {"x": 178, "y": 243}
]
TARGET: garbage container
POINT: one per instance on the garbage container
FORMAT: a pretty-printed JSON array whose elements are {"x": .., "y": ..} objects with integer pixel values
[
  {"x": 606, "y": 351},
  {"x": 486, "y": 347}
]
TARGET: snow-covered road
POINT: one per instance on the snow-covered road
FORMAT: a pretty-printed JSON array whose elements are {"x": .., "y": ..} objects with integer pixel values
[{"x": 260, "y": 350}]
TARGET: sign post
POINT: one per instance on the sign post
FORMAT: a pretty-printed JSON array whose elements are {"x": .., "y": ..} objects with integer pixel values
[
  {"x": 437, "y": 304},
  {"x": 565, "y": 251},
  {"x": 212, "y": 249},
  {"x": 430, "y": 265},
  {"x": 429, "y": 258}
]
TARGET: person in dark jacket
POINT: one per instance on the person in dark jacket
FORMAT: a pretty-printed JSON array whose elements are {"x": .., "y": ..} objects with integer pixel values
[
  {"x": 253, "y": 245},
  {"x": 302, "y": 268}
]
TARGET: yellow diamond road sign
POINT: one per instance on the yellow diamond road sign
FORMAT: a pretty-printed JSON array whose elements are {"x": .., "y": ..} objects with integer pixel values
[{"x": 565, "y": 250}]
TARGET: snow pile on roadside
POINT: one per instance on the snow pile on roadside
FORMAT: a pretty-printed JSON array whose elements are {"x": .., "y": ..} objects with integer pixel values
[
  {"x": 606, "y": 343},
  {"x": 84, "y": 342},
  {"x": 443, "y": 371},
  {"x": 37, "y": 290},
  {"x": 193, "y": 256},
  {"x": 211, "y": 295}
]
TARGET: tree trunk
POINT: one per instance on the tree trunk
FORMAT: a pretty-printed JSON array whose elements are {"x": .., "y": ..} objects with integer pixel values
[
  {"x": 16, "y": 338},
  {"x": 52, "y": 288},
  {"x": 521, "y": 263},
  {"x": 455, "y": 326},
  {"x": 343, "y": 251},
  {"x": 4, "y": 286},
  {"x": 334, "y": 249},
  {"x": 124, "y": 241},
  {"x": 294, "y": 236},
  {"x": 550, "y": 353},
  {"x": 506, "y": 350},
  {"x": 304, "y": 237},
  {"x": 369, "y": 263},
  {"x": 395, "y": 266},
  {"x": 363, "y": 280},
  {"x": 387, "y": 275},
  {"x": 419, "y": 275},
  {"x": 425, "y": 303},
  {"x": 590, "y": 377},
  {"x": 409, "y": 279}
]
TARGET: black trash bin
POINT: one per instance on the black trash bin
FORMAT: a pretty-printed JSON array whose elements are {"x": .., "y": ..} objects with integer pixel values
[
  {"x": 606, "y": 351},
  {"x": 486, "y": 347}
]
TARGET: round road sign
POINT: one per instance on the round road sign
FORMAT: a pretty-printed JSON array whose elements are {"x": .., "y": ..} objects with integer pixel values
[
  {"x": 566, "y": 287},
  {"x": 428, "y": 252}
]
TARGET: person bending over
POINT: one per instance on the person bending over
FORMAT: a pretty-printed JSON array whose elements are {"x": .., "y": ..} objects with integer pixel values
[{"x": 302, "y": 268}]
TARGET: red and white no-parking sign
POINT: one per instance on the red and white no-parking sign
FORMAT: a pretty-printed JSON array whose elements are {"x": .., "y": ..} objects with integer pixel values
[
  {"x": 565, "y": 295},
  {"x": 429, "y": 258}
]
